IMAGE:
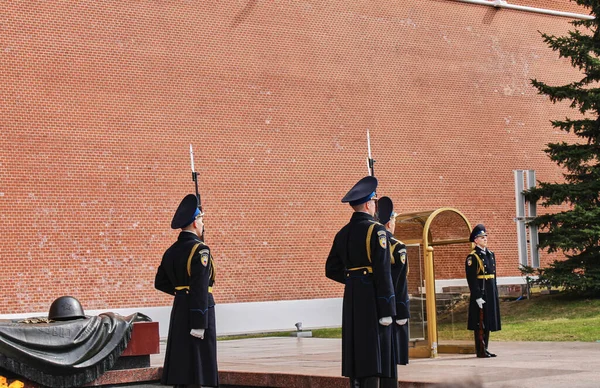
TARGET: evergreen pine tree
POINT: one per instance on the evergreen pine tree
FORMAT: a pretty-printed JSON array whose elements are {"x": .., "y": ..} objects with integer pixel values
[{"x": 575, "y": 231}]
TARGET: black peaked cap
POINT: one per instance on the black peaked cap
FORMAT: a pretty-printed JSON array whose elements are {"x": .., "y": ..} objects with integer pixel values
[
  {"x": 478, "y": 230},
  {"x": 386, "y": 207},
  {"x": 185, "y": 212},
  {"x": 361, "y": 190}
]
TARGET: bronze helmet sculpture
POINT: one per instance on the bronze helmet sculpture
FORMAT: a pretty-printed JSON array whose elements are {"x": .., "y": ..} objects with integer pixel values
[{"x": 65, "y": 308}]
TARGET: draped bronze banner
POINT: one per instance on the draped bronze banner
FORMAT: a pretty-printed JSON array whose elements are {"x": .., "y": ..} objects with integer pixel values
[{"x": 64, "y": 354}]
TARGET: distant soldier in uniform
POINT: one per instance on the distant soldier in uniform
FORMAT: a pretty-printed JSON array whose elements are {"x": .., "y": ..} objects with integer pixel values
[
  {"x": 187, "y": 271},
  {"x": 484, "y": 305},
  {"x": 399, "y": 262},
  {"x": 360, "y": 258}
]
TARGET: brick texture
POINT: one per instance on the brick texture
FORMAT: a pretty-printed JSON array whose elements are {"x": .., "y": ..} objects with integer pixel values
[{"x": 99, "y": 102}]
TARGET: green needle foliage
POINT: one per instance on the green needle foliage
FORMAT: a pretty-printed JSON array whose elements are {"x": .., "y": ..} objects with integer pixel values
[{"x": 575, "y": 232}]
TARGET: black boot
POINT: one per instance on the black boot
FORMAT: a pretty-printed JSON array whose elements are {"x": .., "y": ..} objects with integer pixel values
[
  {"x": 489, "y": 353},
  {"x": 354, "y": 383},
  {"x": 486, "y": 337}
]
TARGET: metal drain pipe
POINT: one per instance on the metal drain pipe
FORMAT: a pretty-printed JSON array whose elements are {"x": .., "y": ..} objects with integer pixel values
[{"x": 504, "y": 4}]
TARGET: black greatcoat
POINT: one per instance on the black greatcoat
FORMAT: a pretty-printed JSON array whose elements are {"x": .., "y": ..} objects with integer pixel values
[
  {"x": 483, "y": 288},
  {"x": 189, "y": 360},
  {"x": 366, "y": 345},
  {"x": 399, "y": 278}
]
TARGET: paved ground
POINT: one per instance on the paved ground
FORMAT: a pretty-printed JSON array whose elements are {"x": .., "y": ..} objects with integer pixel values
[{"x": 519, "y": 364}]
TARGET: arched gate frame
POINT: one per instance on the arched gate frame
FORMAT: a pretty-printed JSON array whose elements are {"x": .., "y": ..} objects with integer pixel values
[{"x": 440, "y": 227}]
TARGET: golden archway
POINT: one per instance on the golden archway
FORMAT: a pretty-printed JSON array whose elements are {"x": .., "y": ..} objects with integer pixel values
[{"x": 428, "y": 230}]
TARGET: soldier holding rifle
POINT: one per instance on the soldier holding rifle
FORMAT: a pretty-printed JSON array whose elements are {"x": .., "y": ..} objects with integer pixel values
[
  {"x": 187, "y": 271},
  {"x": 360, "y": 259},
  {"x": 484, "y": 305}
]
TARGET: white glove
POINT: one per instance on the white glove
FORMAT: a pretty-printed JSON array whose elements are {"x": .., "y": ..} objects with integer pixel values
[
  {"x": 480, "y": 302},
  {"x": 385, "y": 321},
  {"x": 401, "y": 321},
  {"x": 198, "y": 333}
]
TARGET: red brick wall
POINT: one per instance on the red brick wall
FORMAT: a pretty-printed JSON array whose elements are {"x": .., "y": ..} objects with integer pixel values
[
  {"x": 100, "y": 101},
  {"x": 557, "y": 5}
]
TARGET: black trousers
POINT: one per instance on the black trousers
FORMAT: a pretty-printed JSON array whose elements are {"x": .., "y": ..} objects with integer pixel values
[
  {"x": 388, "y": 382},
  {"x": 372, "y": 382},
  {"x": 478, "y": 344}
]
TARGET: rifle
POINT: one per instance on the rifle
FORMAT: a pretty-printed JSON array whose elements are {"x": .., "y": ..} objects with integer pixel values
[
  {"x": 481, "y": 335},
  {"x": 370, "y": 160},
  {"x": 195, "y": 179},
  {"x": 370, "y": 163}
]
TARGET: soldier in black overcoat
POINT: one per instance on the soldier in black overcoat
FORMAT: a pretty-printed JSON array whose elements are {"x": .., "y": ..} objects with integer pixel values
[
  {"x": 484, "y": 304},
  {"x": 360, "y": 259},
  {"x": 399, "y": 263},
  {"x": 187, "y": 271}
]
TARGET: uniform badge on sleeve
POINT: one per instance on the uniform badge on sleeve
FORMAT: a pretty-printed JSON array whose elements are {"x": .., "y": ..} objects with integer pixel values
[
  {"x": 204, "y": 257},
  {"x": 403, "y": 258},
  {"x": 469, "y": 261},
  {"x": 382, "y": 238}
]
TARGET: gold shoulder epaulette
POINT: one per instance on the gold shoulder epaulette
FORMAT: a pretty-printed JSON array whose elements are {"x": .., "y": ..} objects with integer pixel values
[{"x": 396, "y": 240}]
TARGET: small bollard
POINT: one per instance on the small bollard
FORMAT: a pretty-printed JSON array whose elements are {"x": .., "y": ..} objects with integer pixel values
[{"x": 299, "y": 332}]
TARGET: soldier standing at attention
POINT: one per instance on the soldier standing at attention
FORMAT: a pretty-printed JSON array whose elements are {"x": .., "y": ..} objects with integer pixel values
[
  {"x": 484, "y": 304},
  {"x": 187, "y": 271},
  {"x": 399, "y": 262},
  {"x": 360, "y": 258}
]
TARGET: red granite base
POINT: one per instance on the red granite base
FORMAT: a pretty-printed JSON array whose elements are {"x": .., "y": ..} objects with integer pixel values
[
  {"x": 144, "y": 339},
  {"x": 283, "y": 380},
  {"x": 123, "y": 376},
  {"x": 110, "y": 377},
  {"x": 230, "y": 378},
  {"x": 276, "y": 380},
  {"x": 246, "y": 379}
]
